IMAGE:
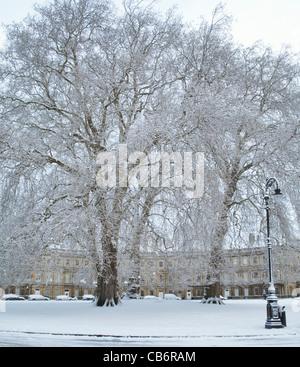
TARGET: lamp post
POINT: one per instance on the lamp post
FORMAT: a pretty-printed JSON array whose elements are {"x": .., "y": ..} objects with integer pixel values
[{"x": 273, "y": 309}]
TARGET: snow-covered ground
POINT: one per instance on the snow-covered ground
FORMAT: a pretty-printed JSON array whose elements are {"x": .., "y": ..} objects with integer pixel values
[{"x": 161, "y": 323}]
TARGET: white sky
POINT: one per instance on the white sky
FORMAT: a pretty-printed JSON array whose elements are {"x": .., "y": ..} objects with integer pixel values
[{"x": 275, "y": 22}]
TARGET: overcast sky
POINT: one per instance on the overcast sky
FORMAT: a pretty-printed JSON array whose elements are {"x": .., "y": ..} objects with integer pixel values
[{"x": 275, "y": 22}]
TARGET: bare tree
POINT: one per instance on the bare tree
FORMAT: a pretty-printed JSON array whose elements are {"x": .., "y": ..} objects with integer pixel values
[
  {"x": 236, "y": 103},
  {"x": 76, "y": 82}
]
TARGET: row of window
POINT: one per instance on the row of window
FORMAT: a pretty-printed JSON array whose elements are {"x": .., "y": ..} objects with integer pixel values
[
  {"x": 244, "y": 260},
  {"x": 236, "y": 292},
  {"x": 249, "y": 260},
  {"x": 47, "y": 292},
  {"x": 51, "y": 278},
  {"x": 67, "y": 262},
  {"x": 253, "y": 276}
]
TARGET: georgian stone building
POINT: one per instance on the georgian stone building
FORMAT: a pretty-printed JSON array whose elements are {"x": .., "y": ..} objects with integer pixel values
[
  {"x": 58, "y": 273},
  {"x": 245, "y": 274}
]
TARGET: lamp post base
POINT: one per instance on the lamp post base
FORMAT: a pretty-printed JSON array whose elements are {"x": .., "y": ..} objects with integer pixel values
[
  {"x": 273, "y": 324},
  {"x": 273, "y": 312}
]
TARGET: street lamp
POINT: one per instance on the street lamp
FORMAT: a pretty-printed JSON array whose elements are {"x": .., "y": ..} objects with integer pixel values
[{"x": 273, "y": 309}]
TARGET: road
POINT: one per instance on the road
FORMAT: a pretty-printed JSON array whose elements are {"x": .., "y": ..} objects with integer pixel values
[{"x": 20, "y": 339}]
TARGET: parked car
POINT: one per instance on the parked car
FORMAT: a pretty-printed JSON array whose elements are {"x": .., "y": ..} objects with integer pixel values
[
  {"x": 12, "y": 297},
  {"x": 150, "y": 297},
  {"x": 66, "y": 298},
  {"x": 170, "y": 296},
  {"x": 88, "y": 297},
  {"x": 63, "y": 297},
  {"x": 37, "y": 297}
]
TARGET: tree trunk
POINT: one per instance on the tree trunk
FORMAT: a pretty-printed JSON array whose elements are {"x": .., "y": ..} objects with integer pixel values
[
  {"x": 215, "y": 271},
  {"x": 217, "y": 256},
  {"x": 107, "y": 282},
  {"x": 139, "y": 230}
]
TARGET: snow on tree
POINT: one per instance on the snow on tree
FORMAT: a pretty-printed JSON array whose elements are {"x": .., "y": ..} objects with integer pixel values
[
  {"x": 75, "y": 82},
  {"x": 236, "y": 104},
  {"x": 79, "y": 80}
]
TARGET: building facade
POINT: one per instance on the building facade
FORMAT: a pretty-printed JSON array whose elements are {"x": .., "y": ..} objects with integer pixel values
[
  {"x": 58, "y": 273},
  {"x": 244, "y": 274}
]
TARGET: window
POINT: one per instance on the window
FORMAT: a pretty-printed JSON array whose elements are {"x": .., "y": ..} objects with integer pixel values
[
  {"x": 161, "y": 264},
  {"x": 245, "y": 260},
  {"x": 48, "y": 277},
  {"x": 251, "y": 238}
]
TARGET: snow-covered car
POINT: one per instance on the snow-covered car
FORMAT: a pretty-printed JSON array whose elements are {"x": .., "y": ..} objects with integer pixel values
[
  {"x": 37, "y": 297},
  {"x": 12, "y": 297},
  {"x": 63, "y": 297},
  {"x": 88, "y": 297},
  {"x": 150, "y": 297},
  {"x": 170, "y": 296}
]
